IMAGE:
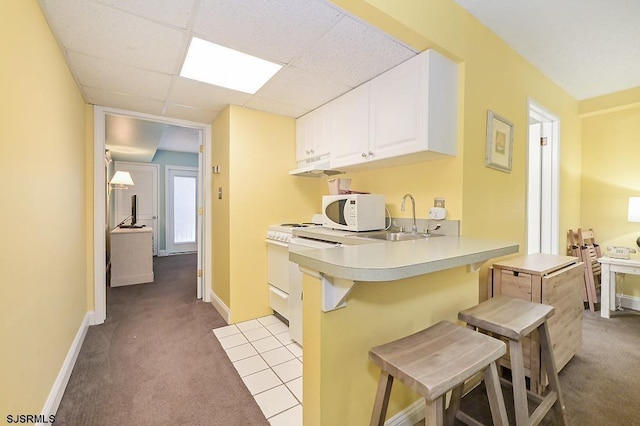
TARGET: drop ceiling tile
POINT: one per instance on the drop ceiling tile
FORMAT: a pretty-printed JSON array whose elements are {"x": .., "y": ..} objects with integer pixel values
[
  {"x": 195, "y": 94},
  {"x": 102, "y": 31},
  {"x": 172, "y": 12},
  {"x": 192, "y": 114},
  {"x": 276, "y": 107},
  {"x": 112, "y": 76},
  {"x": 118, "y": 100},
  {"x": 180, "y": 138},
  {"x": 276, "y": 30},
  {"x": 296, "y": 87},
  {"x": 353, "y": 53}
]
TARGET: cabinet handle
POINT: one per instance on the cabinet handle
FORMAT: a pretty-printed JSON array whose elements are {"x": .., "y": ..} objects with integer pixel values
[
  {"x": 364, "y": 155},
  {"x": 371, "y": 153}
]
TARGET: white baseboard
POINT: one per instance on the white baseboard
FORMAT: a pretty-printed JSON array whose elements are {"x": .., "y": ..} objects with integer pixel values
[
  {"x": 629, "y": 302},
  {"x": 162, "y": 253},
  {"x": 57, "y": 391},
  {"x": 409, "y": 416},
  {"x": 219, "y": 306}
]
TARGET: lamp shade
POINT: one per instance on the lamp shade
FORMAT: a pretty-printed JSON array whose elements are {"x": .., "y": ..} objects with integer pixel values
[
  {"x": 633, "y": 214},
  {"x": 121, "y": 178}
]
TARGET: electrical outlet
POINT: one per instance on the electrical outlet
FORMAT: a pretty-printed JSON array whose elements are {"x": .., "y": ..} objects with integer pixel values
[{"x": 438, "y": 202}]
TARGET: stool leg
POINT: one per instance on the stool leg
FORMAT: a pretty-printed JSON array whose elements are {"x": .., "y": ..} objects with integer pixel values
[
  {"x": 382, "y": 399},
  {"x": 550, "y": 367},
  {"x": 494, "y": 393},
  {"x": 434, "y": 412},
  {"x": 519, "y": 384},
  {"x": 454, "y": 405}
]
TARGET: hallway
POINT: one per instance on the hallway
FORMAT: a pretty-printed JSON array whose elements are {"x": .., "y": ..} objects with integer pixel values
[{"x": 155, "y": 361}]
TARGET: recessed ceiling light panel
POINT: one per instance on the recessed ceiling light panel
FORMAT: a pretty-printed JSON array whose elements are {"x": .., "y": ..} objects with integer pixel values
[{"x": 218, "y": 65}]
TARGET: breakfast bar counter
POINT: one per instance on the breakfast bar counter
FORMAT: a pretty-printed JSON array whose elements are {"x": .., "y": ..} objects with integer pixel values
[
  {"x": 368, "y": 292},
  {"x": 386, "y": 260}
]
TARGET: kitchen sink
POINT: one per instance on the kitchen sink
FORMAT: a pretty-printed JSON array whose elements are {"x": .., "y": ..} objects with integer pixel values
[{"x": 398, "y": 236}]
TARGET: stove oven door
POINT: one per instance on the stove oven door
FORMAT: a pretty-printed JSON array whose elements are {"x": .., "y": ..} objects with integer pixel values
[{"x": 278, "y": 276}]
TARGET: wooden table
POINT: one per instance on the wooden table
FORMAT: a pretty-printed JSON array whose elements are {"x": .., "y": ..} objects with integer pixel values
[
  {"x": 553, "y": 280},
  {"x": 610, "y": 267}
]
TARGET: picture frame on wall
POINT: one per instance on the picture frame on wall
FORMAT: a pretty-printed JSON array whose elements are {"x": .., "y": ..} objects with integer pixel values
[{"x": 499, "y": 142}]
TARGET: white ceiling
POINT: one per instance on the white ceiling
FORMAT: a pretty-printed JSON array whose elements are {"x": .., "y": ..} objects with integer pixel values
[
  {"x": 128, "y": 54},
  {"x": 588, "y": 47}
]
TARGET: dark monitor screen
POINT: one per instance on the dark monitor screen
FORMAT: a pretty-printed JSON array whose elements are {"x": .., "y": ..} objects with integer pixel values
[{"x": 134, "y": 209}]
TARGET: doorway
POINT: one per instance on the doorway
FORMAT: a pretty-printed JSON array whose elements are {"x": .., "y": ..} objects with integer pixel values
[
  {"x": 543, "y": 181},
  {"x": 181, "y": 209},
  {"x": 100, "y": 224}
]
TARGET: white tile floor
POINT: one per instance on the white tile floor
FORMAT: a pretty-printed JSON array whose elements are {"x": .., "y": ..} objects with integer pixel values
[{"x": 270, "y": 365}]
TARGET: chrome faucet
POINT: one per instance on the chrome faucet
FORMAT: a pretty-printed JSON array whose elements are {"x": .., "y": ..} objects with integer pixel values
[{"x": 414, "y": 227}]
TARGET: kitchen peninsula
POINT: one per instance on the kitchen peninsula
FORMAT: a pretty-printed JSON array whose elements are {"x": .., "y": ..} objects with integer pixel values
[{"x": 368, "y": 292}]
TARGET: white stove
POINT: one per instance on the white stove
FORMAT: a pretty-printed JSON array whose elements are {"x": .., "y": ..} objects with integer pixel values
[
  {"x": 284, "y": 276},
  {"x": 282, "y": 233}
]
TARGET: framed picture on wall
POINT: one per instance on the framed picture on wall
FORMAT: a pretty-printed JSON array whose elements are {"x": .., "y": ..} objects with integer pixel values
[{"x": 499, "y": 142}]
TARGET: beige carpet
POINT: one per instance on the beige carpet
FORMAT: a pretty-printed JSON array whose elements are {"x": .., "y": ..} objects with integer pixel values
[
  {"x": 155, "y": 361},
  {"x": 601, "y": 383}
]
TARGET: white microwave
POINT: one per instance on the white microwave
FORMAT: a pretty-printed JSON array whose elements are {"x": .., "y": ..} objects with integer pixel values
[{"x": 353, "y": 212}]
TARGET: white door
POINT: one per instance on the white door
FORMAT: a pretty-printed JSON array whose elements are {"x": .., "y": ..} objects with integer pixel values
[
  {"x": 145, "y": 179},
  {"x": 542, "y": 182},
  {"x": 182, "y": 209}
]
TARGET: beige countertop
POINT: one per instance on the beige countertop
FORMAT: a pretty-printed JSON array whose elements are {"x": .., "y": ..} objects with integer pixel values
[{"x": 364, "y": 259}]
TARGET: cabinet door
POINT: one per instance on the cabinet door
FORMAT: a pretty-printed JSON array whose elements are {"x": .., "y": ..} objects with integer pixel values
[
  {"x": 398, "y": 110},
  {"x": 350, "y": 142},
  {"x": 313, "y": 134},
  {"x": 304, "y": 130}
]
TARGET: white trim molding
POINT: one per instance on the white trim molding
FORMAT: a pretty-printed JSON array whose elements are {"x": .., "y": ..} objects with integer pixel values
[
  {"x": 410, "y": 416},
  {"x": 57, "y": 391},
  {"x": 219, "y": 306},
  {"x": 628, "y": 302}
]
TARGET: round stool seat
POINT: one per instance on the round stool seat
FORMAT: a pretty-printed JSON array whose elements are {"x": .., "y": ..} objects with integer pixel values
[
  {"x": 434, "y": 361},
  {"x": 507, "y": 316}
]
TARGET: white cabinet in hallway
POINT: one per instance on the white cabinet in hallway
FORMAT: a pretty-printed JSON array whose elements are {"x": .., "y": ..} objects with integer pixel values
[{"x": 131, "y": 256}]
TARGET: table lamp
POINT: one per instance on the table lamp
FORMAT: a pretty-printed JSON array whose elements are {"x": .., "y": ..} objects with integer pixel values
[{"x": 633, "y": 214}]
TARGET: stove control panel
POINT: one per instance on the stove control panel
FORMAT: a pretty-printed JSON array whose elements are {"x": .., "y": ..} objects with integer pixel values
[{"x": 283, "y": 237}]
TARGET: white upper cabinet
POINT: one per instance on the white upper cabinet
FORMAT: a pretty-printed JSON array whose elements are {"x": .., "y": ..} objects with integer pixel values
[
  {"x": 406, "y": 115},
  {"x": 314, "y": 132},
  {"x": 350, "y": 144},
  {"x": 412, "y": 116}
]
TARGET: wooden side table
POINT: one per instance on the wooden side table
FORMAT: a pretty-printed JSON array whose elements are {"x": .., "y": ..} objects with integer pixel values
[{"x": 553, "y": 280}]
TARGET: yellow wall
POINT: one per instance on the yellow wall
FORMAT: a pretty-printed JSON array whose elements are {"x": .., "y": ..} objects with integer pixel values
[
  {"x": 339, "y": 381},
  {"x": 220, "y": 283},
  {"x": 43, "y": 248},
  {"x": 611, "y": 146},
  {"x": 256, "y": 150},
  {"x": 490, "y": 203}
]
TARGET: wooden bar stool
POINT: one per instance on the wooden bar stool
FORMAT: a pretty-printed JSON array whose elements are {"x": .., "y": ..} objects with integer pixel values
[
  {"x": 434, "y": 361},
  {"x": 514, "y": 319}
]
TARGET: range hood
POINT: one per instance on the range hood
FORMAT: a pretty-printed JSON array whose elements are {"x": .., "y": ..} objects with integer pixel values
[{"x": 317, "y": 169}]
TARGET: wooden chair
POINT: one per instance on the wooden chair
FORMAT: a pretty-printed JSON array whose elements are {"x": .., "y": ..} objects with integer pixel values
[
  {"x": 574, "y": 250},
  {"x": 590, "y": 254},
  {"x": 582, "y": 244}
]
